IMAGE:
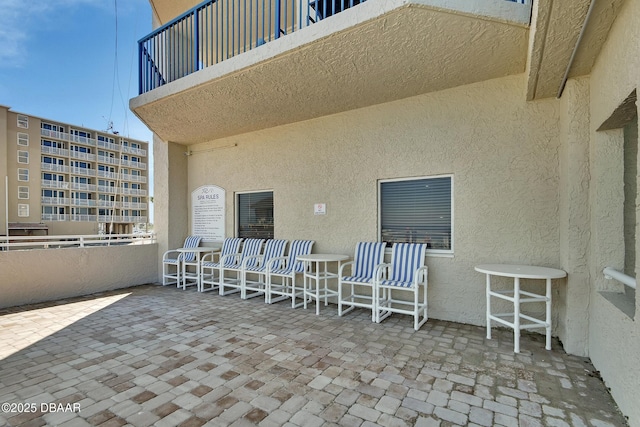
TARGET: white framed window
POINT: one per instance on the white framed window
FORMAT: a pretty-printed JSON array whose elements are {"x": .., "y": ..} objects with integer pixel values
[
  {"x": 417, "y": 210},
  {"x": 23, "y": 192},
  {"x": 23, "y": 121},
  {"x": 23, "y": 210},
  {"x": 23, "y": 157},
  {"x": 23, "y": 139},
  {"x": 254, "y": 214},
  {"x": 52, "y": 127},
  {"x": 23, "y": 174}
]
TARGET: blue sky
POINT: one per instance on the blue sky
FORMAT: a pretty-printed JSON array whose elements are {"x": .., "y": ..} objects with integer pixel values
[{"x": 57, "y": 60}]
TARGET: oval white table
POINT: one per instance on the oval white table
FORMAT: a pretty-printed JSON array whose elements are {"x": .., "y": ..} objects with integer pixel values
[
  {"x": 320, "y": 275},
  {"x": 518, "y": 296}
]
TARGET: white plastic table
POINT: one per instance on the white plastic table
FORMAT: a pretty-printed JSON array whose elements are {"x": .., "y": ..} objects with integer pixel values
[
  {"x": 200, "y": 250},
  {"x": 320, "y": 275},
  {"x": 518, "y": 296}
]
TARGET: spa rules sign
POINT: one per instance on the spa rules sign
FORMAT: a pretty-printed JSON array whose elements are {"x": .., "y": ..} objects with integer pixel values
[{"x": 207, "y": 212}]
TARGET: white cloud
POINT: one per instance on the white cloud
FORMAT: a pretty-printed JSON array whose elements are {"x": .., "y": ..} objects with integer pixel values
[{"x": 18, "y": 18}]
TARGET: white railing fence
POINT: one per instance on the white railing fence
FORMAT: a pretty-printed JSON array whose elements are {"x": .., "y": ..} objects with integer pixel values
[{"x": 74, "y": 241}]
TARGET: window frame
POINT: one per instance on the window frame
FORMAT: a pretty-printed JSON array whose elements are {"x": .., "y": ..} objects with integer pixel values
[
  {"x": 23, "y": 157},
  {"x": 23, "y": 210},
  {"x": 238, "y": 194},
  {"x": 23, "y": 192},
  {"x": 23, "y": 121},
  {"x": 23, "y": 174},
  {"x": 23, "y": 139},
  {"x": 431, "y": 252}
]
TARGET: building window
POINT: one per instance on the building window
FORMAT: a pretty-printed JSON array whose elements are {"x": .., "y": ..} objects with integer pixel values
[
  {"x": 52, "y": 127},
  {"x": 23, "y": 174},
  {"x": 23, "y": 139},
  {"x": 23, "y": 157},
  {"x": 417, "y": 210},
  {"x": 23, "y": 210},
  {"x": 255, "y": 215},
  {"x": 23, "y": 192},
  {"x": 23, "y": 121}
]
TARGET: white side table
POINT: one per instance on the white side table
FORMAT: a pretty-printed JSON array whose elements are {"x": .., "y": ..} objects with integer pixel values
[
  {"x": 199, "y": 251},
  {"x": 517, "y": 297},
  {"x": 320, "y": 275}
]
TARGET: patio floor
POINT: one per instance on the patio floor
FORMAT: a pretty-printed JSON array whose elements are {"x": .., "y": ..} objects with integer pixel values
[{"x": 150, "y": 355}]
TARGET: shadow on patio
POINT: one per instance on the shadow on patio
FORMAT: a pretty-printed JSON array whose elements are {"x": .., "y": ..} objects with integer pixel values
[{"x": 150, "y": 355}]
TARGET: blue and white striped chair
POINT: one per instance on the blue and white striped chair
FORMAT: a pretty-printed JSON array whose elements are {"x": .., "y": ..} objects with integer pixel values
[
  {"x": 367, "y": 257},
  {"x": 172, "y": 259},
  {"x": 406, "y": 274},
  {"x": 287, "y": 268},
  {"x": 210, "y": 264},
  {"x": 272, "y": 249},
  {"x": 232, "y": 263}
]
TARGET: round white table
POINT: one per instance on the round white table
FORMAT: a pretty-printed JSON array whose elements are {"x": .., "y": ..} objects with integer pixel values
[
  {"x": 518, "y": 296},
  {"x": 320, "y": 275}
]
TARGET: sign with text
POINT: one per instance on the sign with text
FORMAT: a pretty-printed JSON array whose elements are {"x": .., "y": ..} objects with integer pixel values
[{"x": 207, "y": 212}]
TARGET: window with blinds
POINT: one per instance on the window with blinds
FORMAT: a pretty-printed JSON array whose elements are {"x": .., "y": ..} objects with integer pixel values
[
  {"x": 418, "y": 210},
  {"x": 255, "y": 215}
]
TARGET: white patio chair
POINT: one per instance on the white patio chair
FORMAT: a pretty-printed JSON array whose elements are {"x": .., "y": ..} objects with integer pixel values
[
  {"x": 210, "y": 264},
  {"x": 359, "y": 283},
  {"x": 287, "y": 268},
  {"x": 272, "y": 249},
  {"x": 232, "y": 263},
  {"x": 172, "y": 259},
  {"x": 406, "y": 274}
]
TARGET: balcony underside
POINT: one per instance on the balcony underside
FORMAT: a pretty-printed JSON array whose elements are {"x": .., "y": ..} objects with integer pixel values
[{"x": 370, "y": 54}]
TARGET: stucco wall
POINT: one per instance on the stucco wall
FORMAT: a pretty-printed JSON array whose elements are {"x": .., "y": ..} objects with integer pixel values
[
  {"x": 501, "y": 150},
  {"x": 614, "y": 338},
  {"x": 38, "y": 275},
  {"x": 575, "y": 237}
]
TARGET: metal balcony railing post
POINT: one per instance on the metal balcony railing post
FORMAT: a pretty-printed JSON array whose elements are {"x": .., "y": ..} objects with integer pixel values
[{"x": 278, "y": 9}]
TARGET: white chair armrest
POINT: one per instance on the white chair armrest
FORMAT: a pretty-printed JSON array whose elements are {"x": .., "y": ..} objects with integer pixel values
[
  {"x": 172, "y": 251},
  {"x": 246, "y": 260},
  {"x": 343, "y": 266},
  {"x": 381, "y": 271},
  {"x": 277, "y": 260}
]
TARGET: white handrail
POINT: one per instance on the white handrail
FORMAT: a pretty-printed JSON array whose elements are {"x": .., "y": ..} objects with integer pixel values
[{"x": 611, "y": 273}]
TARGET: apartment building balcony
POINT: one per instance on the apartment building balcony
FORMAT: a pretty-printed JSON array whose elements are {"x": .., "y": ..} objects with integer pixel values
[
  {"x": 68, "y": 137},
  {"x": 82, "y": 171},
  {"x": 81, "y": 186},
  {"x": 133, "y": 178},
  {"x": 82, "y": 156},
  {"x": 54, "y": 168},
  {"x": 307, "y": 61},
  {"x": 55, "y": 201},
  {"x": 84, "y": 202},
  {"x": 132, "y": 164},
  {"x": 54, "y": 150},
  {"x": 47, "y": 183}
]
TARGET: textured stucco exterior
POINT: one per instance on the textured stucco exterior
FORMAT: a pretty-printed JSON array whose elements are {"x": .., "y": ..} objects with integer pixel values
[
  {"x": 505, "y": 175},
  {"x": 31, "y": 276},
  {"x": 614, "y": 338},
  {"x": 535, "y": 182}
]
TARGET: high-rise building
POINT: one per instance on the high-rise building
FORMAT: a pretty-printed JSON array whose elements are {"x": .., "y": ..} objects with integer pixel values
[{"x": 67, "y": 179}]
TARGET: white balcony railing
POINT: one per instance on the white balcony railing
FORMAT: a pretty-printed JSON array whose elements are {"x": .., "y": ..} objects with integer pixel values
[{"x": 50, "y": 242}]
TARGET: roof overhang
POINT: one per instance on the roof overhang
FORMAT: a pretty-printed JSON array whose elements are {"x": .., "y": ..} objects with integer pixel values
[{"x": 377, "y": 52}]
